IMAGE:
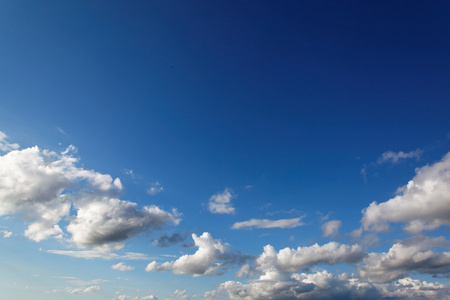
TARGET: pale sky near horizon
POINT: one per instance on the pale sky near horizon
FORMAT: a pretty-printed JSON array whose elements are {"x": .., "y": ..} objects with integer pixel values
[{"x": 224, "y": 150}]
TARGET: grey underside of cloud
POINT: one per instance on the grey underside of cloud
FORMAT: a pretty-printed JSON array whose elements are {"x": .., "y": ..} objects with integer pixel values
[
  {"x": 173, "y": 239},
  {"x": 44, "y": 187}
]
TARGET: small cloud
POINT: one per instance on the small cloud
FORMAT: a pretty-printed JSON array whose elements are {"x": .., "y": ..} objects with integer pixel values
[
  {"x": 60, "y": 130},
  {"x": 180, "y": 294},
  {"x": 5, "y": 233},
  {"x": 364, "y": 173},
  {"x": 87, "y": 290},
  {"x": 155, "y": 188},
  {"x": 289, "y": 212},
  {"x": 169, "y": 240},
  {"x": 264, "y": 223},
  {"x": 4, "y": 145},
  {"x": 396, "y": 157},
  {"x": 331, "y": 228},
  {"x": 249, "y": 187},
  {"x": 122, "y": 267},
  {"x": 129, "y": 172},
  {"x": 220, "y": 203}
]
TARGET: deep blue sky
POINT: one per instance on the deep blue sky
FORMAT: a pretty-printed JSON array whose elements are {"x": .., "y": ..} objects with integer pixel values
[{"x": 289, "y": 105}]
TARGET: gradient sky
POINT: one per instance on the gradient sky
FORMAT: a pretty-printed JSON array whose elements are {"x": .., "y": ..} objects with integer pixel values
[{"x": 224, "y": 150}]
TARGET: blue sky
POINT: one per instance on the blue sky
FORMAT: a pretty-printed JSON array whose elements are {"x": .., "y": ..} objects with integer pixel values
[{"x": 224, "y": 150}]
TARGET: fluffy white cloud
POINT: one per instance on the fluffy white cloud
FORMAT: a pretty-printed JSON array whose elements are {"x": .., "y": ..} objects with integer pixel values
[
  {"x": 42, "y": 186},
  {"x": 273, "y": 265},
  {"x": 220, "y": 203},
  {"x": 155, "y": 188},
  {"x": 331, "y": 228},
  {"x": 210, "y": 258},
  {"x": 395, "y": 157},
  {"x": 87, "y": 290},
  {"x": 122, "y": 267},
  {"x": 4, "y": 145},
  {"x": 423, "y": 204},
  {"x": 105, "y": 220},
  {"x": 265, "y": 223},
  {"x": 407, "y": 256}
]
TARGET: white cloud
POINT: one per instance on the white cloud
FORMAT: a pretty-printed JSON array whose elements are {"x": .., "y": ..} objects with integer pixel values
[
  {"x": 317, "y": 285},
  {"x": 407, "y": 256},
  {"x": 180, "y": 294},
  {"x": 273, "y": 265},
  {"x": 122, "y": 267},
  {"x": 395, "y": 157},
  {"x": 102, "y": 221},
  {"x": 155, "y": 188},
  {"x": 4, "y": 145},
  {"x": 87, "y": 290},
  {"x": 265, "y": 223},
  {"x": 97, "y": 254},
  {"x": 210, "y": 258},
  {"x": 42, "y": 186},
  {"x": 325, "y": 285},
  {"x": 423, "y": 204},
  {"x": 220, "y": 203},
  {"x": 6, "y": 233},
  {"x": 331, "y": 228}
]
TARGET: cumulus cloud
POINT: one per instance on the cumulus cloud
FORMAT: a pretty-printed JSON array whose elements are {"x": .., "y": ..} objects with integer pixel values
[
  {"x": 155, "y": 188},
  {"x": 331, "y": 228},
  {"x": 42, "y": 186},
  {"x": 265, "y": 223},
  {"x": 220, "y": 203},
  {"x": 318, "y": 285},
  {"x": 396, "y": 157},
  {"x": 324, "y": 285},
  {"x": 413, "y": 255},
  {"x": 273, "y": 265},
  {"x": 110, "y": 220},
  {"x": 122, "y": 267},
  {"x": 211, "y": 257},
  {"x": 4, "y": 145},
  {"x": 423, "y": 204}
]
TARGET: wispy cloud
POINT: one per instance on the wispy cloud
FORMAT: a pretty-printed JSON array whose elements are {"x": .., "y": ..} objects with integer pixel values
[
  {"x": 6, "y": 233},
  {"x": 396, "y": 157},
  {"x": 60, "y": 130},
  {"x": 6, "y": 146},
  {"x": 94, "y": 254},
  {"x": 265, "y": 223},
  {"x": 155, "y": 188}
]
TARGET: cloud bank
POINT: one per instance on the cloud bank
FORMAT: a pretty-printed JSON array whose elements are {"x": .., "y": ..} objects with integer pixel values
[{"x": 44, "y": 186}]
